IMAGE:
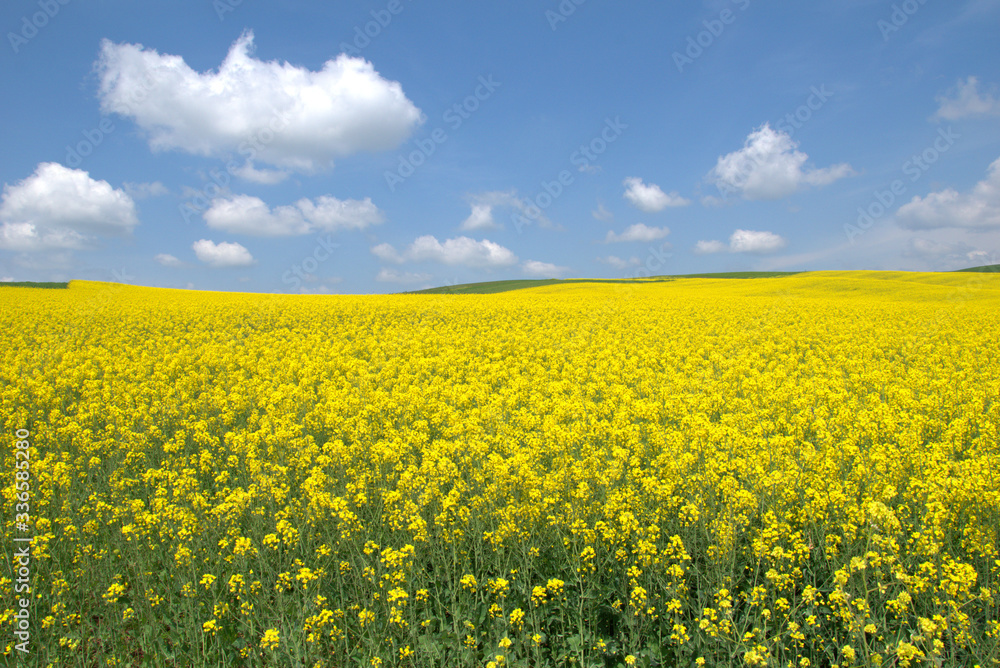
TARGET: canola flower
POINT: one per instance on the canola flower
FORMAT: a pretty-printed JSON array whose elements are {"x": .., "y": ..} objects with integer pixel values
[
  {"x": 797, "y": 471},
  {"x": 270, "y": 640}
]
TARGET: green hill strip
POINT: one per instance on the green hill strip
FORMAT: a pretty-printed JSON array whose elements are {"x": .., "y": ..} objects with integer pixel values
[
  {"x": 33, "y": 284},
  {"x": 493, "y": 287},
  {"x": 983, "y": 269}
]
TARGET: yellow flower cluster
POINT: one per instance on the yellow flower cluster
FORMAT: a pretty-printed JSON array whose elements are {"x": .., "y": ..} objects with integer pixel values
[{"x": 721, "y": 472}]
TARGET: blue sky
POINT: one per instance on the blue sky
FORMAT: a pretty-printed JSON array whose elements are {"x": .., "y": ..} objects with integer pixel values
[{"x": 398, "y": 144}]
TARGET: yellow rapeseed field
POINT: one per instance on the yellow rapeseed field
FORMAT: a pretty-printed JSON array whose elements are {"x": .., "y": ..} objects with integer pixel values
[{"x": 797, "y": 471}]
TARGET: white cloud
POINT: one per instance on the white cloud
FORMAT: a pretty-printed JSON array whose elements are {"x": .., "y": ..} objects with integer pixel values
[
  {"x": 602, "y": 213},
  {"x": 965, "y": 100},
  {"x": 62, "y": 208},
  {"x": 650, "y": 198},
  {"x": 481, "y": 218},
  {"x": 542, "y": 269},
  {"x": 484, "y": 203},
  {"x": 457, "y": 251},
  {"x": 920, "y": 247},
  {"x": 619, "y": 263},
  {"x": 144, "y": 190},
  {"x": 393, "y": 276},
  {"x": 278, "y": 113},
  {"x": 266, "y": 177},
  {"x": 168, "y": 260},
  {"x": 978, "y": 258},
  {"x": 978, "y": 209},
  {"x": 637, "y": 232},
  {"x": 743, "y": 241},
  {"x": 223, "y": 254},
  {"x": 330, "y": 214},
  {"x": 460, "y": 250},
  {"x": 243, "y": 214},
  {"x": 705, "y": 247},
  {"x": 947, "y": 255},
  {"x": 769, "y": 167},
  {"x": 750, "y": 241},
  {"x": 387, "y": 253}
]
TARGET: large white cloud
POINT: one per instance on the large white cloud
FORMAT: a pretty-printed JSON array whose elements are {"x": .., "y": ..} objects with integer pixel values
[
  {"x": 650, "y": 198},
  {"x": 243, "y": 214},
  {"x": 457, "y": 251},
  {"x": 637, "y": 232},
  {"x": 273, "y": 112},
  {"x": 769, "y": 167},
  {"x": 223, "y": 254},
  {"x": 978, "y": 209},
  {"x": 965, "y": 100},
  {"x": 62, "y": 208},
  {"x": 744, "y": 241}
]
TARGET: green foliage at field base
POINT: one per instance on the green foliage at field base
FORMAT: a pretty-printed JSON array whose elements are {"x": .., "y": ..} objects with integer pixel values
[{"x": 33, "y": 284}]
